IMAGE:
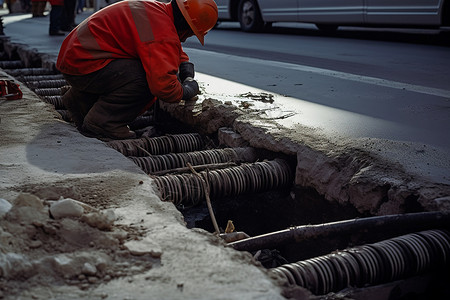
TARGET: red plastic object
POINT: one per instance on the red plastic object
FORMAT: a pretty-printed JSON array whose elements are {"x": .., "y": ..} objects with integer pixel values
[{"x": 10, "y": 90}]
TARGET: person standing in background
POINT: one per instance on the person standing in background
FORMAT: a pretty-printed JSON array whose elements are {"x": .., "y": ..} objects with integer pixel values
[
  {"x": 38, "y": 8},
  {"x": 68, "y": 21},
  {"x": 26, "y": 6},
  {"x": 80, "y": 6},
  {"x": 56, "y": 17}
]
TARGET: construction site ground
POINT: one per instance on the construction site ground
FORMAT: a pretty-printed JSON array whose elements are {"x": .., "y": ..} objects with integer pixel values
[{"x": 128, "y": 244}]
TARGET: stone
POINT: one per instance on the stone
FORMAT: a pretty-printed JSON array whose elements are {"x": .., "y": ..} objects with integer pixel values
[
  {"x": 103, "y": 220},
  {"x": 230, "y": 138},
  {"x": 66, "y": 208},
  {"x": 142, "y": 247},
  {"x": 88, "y": 269},
  {"x": 28, "y": 200},
  {"x": 5, "y": 206}
]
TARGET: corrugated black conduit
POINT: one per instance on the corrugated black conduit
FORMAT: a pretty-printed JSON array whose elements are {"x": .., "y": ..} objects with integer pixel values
[
  {"x": 145, "y": 146},
  {"x": 371, "y": 264},
  {"x": 255, "y": 177}
]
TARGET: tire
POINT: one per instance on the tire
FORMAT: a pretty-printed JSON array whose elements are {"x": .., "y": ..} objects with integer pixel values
[
  {"x": 327, "y": 27},
  {"x": 249, "y": 16}
]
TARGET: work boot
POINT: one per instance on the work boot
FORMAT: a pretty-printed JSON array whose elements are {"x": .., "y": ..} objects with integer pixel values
[
  {"x": 111, "y": 114},
  {"x": 78, "y": 104},
  {"x": 120, "y": 133}
]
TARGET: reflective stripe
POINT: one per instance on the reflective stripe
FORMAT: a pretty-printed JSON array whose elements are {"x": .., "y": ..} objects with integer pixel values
[
  {"x": 141, "y": 21},
  {"x": 87, "y": 40}
]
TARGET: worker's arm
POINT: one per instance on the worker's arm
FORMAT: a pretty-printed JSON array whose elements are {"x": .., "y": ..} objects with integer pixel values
[
  {"x": 186, "y": 71},
  {"x": 186, "y": 67},
  {"x": 161, "y": 61}
]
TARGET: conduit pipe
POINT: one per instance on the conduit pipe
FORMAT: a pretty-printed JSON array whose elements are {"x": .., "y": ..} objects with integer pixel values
[
  {"x": 255, "y": 177},
  {"x": 410, "y": 221},
  {"x": 146, "y": 146},
  {"x": 371, "y": 264}
]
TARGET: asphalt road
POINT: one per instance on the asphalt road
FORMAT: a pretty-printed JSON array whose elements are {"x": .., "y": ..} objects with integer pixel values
[{"x": 379, "y": 83}]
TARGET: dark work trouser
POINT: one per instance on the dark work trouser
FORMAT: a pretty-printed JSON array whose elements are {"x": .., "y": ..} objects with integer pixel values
[
  {"x": 56, "y": 17},
  {"x": 111, "y": 97}
]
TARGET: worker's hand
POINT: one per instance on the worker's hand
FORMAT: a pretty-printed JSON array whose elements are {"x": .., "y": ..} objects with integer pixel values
[
  {"x": 186, "y": 70},
  {"x": 190, "y": 89}
]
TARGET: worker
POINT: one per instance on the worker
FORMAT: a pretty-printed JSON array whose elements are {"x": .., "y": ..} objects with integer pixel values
[{"x": 124, "y": 57}]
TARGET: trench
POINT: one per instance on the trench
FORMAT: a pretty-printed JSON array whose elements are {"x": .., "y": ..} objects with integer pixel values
[{"x": 253, "y": 188}]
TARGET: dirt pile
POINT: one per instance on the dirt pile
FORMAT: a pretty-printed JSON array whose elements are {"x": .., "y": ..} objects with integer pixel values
[{"x": 65, "y": 242}]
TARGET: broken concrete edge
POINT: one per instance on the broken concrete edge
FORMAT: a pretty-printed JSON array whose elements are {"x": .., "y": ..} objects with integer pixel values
[
  {"x": 50, "y": 159},
  {"x": 30, "y": 57},
  {"x": 345, "y": 172}
]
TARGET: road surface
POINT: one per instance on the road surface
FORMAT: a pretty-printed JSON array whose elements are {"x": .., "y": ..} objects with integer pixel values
[{"x": 388, "y": 84}]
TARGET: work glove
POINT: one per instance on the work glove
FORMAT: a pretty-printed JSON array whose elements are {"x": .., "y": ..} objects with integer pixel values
[
  {"x": 186, "y": 70},
  {"x": 190, "y": 88}
]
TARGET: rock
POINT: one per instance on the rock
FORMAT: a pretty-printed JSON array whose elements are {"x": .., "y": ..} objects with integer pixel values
[
  {"x": 443, "y": 203},
  {"x": 101, "y": 220},
  {"x": 101, "y": 264},
  {"x": 65, "y": 265},
  {"x": 89, "y": 269},
  {"x": 28, "y": 200},
  {"x": 5, "y": 206},
  {"x": 145, "y": 246},
  {"x": 120, "y": 234},
  {"x": 35, "y": 244},
  {"x": 230, "y": 138},
  {"x": 27, "y": 209},
  {"x": 14, "y": 265},
  {"x": 66, "y": 208},
  {"x": 92, "y": 279}
]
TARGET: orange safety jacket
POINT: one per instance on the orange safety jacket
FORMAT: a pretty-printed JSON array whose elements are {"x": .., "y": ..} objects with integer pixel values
[{"x": 142, "y": 29}]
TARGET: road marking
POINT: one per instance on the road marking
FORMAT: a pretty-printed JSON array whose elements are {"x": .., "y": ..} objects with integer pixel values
[{"x": 333, "y": 73}]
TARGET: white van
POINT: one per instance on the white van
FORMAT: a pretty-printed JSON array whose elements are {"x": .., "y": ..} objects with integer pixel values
[{"x": 254, "y": 15}]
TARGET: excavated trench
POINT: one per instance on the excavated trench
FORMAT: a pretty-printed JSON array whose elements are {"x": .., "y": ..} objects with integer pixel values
[{"x": 254, "y": 188}]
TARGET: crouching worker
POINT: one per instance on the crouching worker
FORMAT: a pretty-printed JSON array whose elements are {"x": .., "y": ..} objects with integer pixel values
[{"x": 125, "y": 56}]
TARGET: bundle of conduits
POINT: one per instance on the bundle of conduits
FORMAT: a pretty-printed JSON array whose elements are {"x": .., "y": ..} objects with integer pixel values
[{"x": 370, "y": 264}]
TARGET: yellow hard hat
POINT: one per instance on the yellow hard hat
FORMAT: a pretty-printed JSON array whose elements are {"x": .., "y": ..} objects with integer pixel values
[{"x": 201, "y": 16}]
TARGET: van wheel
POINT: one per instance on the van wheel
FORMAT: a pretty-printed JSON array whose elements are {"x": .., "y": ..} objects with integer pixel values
[
  {"x": 327, "y": 27},
  {"x": 249, "y": 16}
]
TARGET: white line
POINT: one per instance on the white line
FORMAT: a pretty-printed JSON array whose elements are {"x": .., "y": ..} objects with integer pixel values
[{"x": 337, "y": 74}]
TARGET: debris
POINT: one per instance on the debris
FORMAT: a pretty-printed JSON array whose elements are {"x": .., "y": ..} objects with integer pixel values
[
  {"x": 234, "y": 236},
  {"x": 245, "y": 104},
  {"x": 88, "y": 269},
  {"x": 5, "y": 206},
  {"x": 102, "y": 220},
  {"x": 262, "y": 97},
  {"x": 230, "y": 227},
  {"x": 143, "y": 247},
  {"x": 66, "y": 208},
  {"x": 10, "y": 90},
  {"x": 205, "y": 185}
]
